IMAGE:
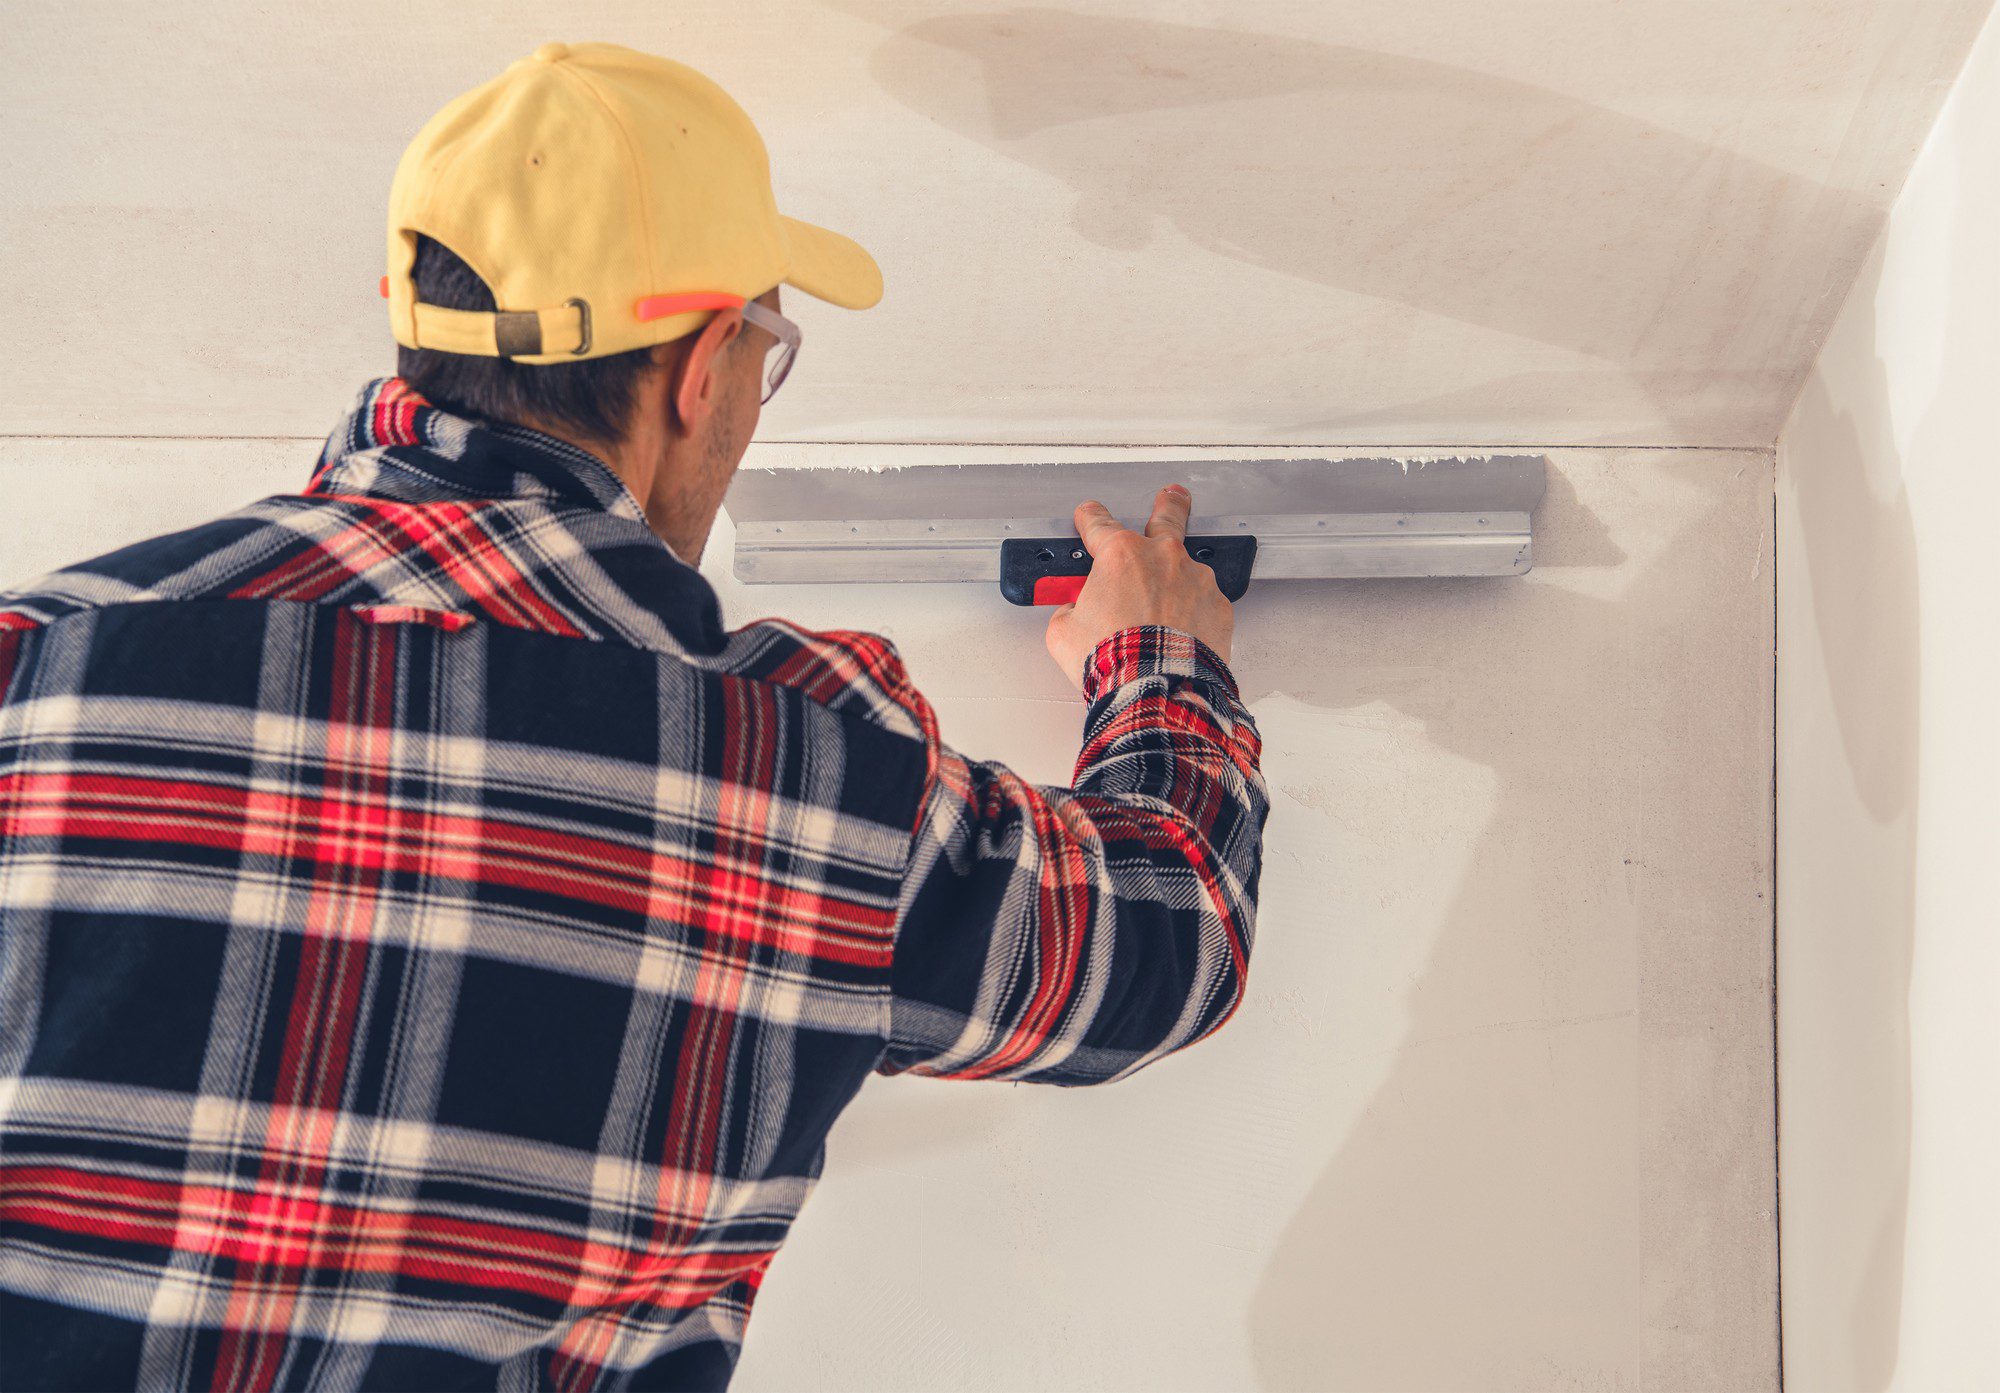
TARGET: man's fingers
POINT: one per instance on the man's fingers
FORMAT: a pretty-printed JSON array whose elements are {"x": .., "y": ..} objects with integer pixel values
[
  {"x": 1094, "y": 523},
  {"x": 1171, "y": 506}
]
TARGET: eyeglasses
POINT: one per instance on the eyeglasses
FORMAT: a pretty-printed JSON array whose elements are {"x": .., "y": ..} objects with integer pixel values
[
  {"x": 788, "y": 336},
  {"x": 770, "y": 321}
]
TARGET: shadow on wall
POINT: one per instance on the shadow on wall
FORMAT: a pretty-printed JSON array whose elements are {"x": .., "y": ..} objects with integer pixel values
[
  {"x": 1519, "y": 1206},
  {"x": 1491, "y": 201}
]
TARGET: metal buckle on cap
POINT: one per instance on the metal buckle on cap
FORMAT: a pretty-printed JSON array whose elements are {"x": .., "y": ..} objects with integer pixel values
[{"x": 518, "y": 333}]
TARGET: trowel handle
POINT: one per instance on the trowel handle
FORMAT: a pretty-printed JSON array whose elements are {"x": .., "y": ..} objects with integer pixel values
[{"x": 1050, "y": 570}]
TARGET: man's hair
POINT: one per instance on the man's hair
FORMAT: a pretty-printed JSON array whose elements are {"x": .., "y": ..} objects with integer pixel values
[{"x": 593, "y": 396}]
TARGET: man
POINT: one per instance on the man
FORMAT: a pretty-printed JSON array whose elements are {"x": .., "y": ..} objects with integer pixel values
[{"x": 432, "y": 949}]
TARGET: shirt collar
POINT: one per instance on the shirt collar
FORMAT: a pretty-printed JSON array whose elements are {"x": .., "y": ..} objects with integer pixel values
[{"x": 395, "y": 443}]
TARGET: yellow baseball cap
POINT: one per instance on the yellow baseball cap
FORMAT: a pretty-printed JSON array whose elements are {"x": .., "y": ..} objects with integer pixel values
[{"x": 611, "y": 199}]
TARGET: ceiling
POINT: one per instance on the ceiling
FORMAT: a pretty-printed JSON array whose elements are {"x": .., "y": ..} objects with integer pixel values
[{"x": 1469, "y": 222}]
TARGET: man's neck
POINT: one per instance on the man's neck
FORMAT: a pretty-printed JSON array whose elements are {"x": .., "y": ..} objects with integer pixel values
[{"x": 645, "y": 463}]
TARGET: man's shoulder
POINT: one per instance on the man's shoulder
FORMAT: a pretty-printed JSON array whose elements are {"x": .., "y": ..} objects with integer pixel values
[
  {"x": 516, "y": 563},
  {"x": 845, "y": 670},
  {"x": 191, "y": 562},
  {"x": 302, "y": 547}
]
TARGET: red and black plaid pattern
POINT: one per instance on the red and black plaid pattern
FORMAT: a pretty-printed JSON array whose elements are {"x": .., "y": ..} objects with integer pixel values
[{"x": 433, "y": 950}]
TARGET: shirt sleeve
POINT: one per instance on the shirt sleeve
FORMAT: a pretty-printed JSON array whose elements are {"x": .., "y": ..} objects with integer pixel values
[{"x": 1073, "y": 936}]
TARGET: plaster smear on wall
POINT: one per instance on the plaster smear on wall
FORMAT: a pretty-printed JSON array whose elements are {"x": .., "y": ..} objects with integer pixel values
[{"x": 1496, "y": 1111}]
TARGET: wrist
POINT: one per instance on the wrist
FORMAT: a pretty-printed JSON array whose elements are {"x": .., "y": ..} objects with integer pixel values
[{"x": 1152, "y": 650}]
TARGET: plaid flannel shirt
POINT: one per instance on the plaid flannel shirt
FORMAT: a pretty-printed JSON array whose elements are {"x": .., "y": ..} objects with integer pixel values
[{"x": 433, "y": 950}]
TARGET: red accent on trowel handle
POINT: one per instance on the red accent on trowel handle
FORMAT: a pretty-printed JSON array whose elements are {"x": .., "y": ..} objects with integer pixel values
[{"x": 1057, "y": 590}]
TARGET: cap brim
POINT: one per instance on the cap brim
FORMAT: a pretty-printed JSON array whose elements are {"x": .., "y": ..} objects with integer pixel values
[{"x": 831, "y": 267}]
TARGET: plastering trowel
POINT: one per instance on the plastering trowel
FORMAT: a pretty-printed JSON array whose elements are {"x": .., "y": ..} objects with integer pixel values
[{"x": 1262, "y": 519}]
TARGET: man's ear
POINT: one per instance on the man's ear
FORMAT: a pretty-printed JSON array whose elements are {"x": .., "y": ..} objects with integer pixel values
[{"x": 695, "y": 387}]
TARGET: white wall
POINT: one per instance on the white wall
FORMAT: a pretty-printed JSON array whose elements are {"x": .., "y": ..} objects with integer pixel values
[
  {"x": 1889, "y": 795},
  {"x": 1496, "y": 1113}
]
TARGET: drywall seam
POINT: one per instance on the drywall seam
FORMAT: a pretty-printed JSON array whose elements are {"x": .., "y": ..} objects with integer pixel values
[
  {"x": 1457, "y": 450},
  {"x": 1777, "y": 1104}
]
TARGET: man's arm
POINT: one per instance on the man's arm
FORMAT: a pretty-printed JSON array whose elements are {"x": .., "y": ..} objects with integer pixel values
[{"x": 1074, "y": 935}]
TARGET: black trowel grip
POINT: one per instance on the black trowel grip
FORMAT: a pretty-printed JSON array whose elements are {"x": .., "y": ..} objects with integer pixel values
[{"x": 1050, "y": 570}]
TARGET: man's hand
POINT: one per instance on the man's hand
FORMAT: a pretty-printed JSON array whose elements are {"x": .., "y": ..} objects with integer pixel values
[{"x": 1137, "y": 579}]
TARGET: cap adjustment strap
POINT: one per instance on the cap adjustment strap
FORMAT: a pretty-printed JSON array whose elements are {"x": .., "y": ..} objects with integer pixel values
[{"x": 505, "y": 333}]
